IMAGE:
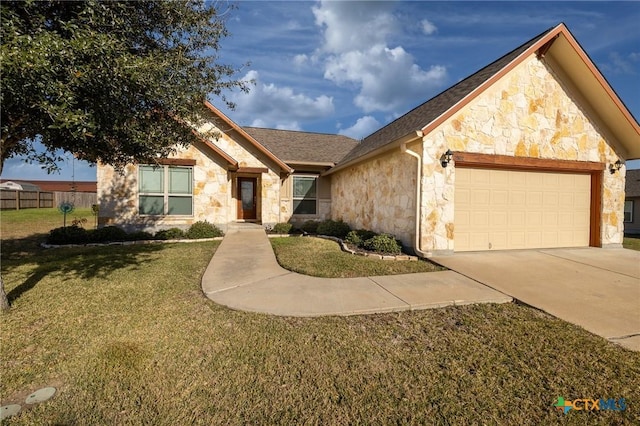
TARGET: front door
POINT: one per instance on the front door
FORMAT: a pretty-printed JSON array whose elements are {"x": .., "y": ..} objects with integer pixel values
[{"x": 247, "y": 198}]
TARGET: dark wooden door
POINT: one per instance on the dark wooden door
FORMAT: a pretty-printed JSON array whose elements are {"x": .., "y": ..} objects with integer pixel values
[{"x": 247, "y": 198}]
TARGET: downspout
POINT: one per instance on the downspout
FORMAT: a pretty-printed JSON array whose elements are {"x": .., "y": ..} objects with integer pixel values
[{"x": 417, "y": 238}]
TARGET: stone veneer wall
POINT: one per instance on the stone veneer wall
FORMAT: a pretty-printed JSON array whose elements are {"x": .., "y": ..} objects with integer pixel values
[
  {"x": 213, "y": 199},
  {"x": 528, "y": 113},
  {"x": 378, "y": 195}
]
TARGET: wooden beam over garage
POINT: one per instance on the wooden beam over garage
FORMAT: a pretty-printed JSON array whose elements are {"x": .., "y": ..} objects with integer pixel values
[{"x": 470, "y": 159}]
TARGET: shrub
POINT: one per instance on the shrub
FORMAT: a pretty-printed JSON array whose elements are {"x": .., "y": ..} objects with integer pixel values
[
  {"x": 333, "y": 228},
  {"x": 203, "y": 229},
  {"x": 282, "y": 228},
  {"x": 140, "y": 236},
  {"x": 358, "y": 237},
  {"x": 69, "y": 235},
  {"x": 170, "y": 234},
  {"x": 109, "y": 233},
  {"x": 383, "y": 243},
  {"x": 310, "y": 226}
]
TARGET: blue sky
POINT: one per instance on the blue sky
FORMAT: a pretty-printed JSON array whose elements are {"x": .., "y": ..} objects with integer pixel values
[{"x": 351, "y": 67}]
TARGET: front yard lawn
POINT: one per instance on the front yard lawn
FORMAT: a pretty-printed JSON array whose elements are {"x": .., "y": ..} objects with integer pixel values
[
  {"x": 632, "y": 243},
  {"x": 127, "y": 337},
  {"x": 323, "y": 258}
]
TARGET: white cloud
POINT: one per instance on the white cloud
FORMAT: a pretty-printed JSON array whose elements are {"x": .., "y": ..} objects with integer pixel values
[
  {"x": 386, "y": 77},
  {"x": 269, "y": 105},
  {"x": 428, "y": 27},
  {"x": 300, "y": 60},
  {"x": 364, "y": 126},
  {"x": 356, "y": 56},
  {"x": 619, "y": 64},
  {"x": 352, "y": 25}
]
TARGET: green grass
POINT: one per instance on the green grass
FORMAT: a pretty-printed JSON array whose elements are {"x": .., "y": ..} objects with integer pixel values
[
  {"x": 323, "y": 258},
  {"x": 127, "y": 337},
  {"x": 26, "y": 222},
  {"x": 632, "y": 243}
]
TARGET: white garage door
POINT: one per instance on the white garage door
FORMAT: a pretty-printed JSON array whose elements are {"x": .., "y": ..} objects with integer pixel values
[{"x": 505, "y": 209}]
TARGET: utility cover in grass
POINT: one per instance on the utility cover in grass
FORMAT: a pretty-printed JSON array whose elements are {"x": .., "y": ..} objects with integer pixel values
[
  {"x": 9, "y": 410},
  {"x": 40, "y": 395}
]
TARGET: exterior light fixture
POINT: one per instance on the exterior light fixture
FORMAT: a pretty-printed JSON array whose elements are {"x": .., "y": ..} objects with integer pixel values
[
  {"x": 615, "y": 166},
  {"x": 446, "y": 158}
]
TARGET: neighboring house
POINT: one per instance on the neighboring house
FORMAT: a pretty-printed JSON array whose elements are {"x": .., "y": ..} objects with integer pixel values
[
  {"x": 52, "y": 185},
  {"x": 18, "y": 186},
  {"x": 632, "y": 203},
  {"x": 521, "y": 154}
]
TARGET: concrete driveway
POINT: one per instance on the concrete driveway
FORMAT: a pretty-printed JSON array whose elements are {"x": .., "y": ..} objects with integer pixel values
[{"x": 597, "y": 289}]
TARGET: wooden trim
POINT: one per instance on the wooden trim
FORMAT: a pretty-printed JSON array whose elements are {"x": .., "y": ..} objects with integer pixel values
[
  {"x": 177, "y": 162},
  {"x": 471, "y": 159},
  {"x": 595, "y": 238},
  {"x": 248, "y": 137},
  {"x": 226, "y": 157},
  {"x": 257, "y": 170}
]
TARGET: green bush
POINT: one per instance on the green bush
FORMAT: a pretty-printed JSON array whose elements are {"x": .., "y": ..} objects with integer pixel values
[
  {"x": 109, "y": 234},
  {"x": 333, "y": 228},
  {"x": 203, "y": 229},
  {"x": 383, "y": 243},
  {"x": 140, "y": 236},
  {"x": 358, "y": 237},
  {"x": 69, "y": 235},
  {"x": 310, "y": 226},
  {"x": 282, "y": 228},
  {"x": 170, "y": 234}
]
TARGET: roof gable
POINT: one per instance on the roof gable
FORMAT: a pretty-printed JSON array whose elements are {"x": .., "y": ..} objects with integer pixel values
[
  {"x": 435, "y": 111},
  {"x": 234, "y": 127},
  {"x": 295, "y": 147}
]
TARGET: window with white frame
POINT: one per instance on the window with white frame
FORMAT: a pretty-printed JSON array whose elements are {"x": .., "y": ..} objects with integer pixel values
[
  {"x": 165, "y": 190},
  {"x": 628, "y": 210},
  {"x": 305, "y": 200}
]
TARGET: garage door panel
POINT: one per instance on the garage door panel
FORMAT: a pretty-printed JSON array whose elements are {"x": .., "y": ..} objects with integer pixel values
[
  {"x": 534, "y": 239},
  {"x": 479, "y": 219},
  {"x": 517, "y": 198},
  {"x": 498, "y": 219},
  {"x": 507, "y": 209}
]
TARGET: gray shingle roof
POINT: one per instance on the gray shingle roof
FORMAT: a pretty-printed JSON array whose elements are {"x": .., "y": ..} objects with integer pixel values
[
  {"x": 303, "y": 147},
  {"x": 424, "y": 114},
  {"x": 632, "y": 183}
]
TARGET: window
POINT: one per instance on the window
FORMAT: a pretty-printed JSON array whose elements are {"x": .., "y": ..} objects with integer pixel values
[
  {"x": 165, "y": 190},
  {"x": 628, "y": 210},
  {"x": 304, "y": 194}
]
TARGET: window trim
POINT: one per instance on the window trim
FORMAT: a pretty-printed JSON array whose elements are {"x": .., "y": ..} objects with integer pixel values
[
  {"x": 624, "y": 212},
  {"x": 166, "y": 194},
  {"x": 315, "y": 176}
]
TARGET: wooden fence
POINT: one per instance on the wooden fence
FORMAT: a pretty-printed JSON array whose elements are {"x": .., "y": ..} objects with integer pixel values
[
  {"x": 16, "y": 200},
  {"x": 79, "y": 199}
]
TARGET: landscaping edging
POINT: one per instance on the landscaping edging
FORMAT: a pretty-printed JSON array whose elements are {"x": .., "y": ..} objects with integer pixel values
[
  {"x": 130, "y": 243},
  {"x": 346, "y": 249}
]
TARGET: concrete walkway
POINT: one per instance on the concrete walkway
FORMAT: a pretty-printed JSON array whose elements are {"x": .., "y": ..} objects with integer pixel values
[
  {"x": 244, "y": 274},
  {"x": 597, "y": 289}
]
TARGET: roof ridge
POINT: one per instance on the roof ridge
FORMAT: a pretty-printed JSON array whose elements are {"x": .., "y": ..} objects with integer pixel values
[
  {"x": 298, "y": 131},
  {"x": 530, "y": 41}
]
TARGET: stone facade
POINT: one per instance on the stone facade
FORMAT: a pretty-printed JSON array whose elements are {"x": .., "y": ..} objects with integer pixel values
[
  {"x": 214, "y": 189},
  {"x": 378, "y": 195},
  {"x": 527, "y": 113}
]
